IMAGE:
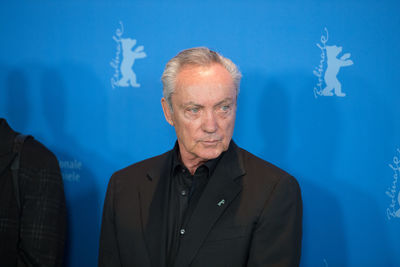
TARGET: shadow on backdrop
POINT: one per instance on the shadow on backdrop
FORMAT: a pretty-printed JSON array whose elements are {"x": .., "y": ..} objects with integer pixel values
[
  {"x": 296, "y": 139},
  {"x": 274, "y": 122},
  {"x": 17, "y": 104},
  {"x": 316, "y": 128},
  {"x": 77, "y": 164}
]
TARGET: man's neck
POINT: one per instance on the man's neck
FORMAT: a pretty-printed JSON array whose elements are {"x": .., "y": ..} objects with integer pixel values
[{"x": 190, "y": 161}]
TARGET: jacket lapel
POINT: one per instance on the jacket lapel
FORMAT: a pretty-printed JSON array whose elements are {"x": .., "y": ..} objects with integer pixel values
[
  {"x": 5, "y": 161},
  {"x": 153, "y": 197},
  {"x": 222, "y": 188},
  {"x": 7, "y": 155}
]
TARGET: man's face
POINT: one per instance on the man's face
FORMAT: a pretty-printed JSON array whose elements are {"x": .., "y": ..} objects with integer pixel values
[{"x": 204, "y": 111}]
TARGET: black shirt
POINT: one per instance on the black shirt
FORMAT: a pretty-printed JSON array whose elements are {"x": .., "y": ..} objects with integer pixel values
[{"x": 184, "y": 193}]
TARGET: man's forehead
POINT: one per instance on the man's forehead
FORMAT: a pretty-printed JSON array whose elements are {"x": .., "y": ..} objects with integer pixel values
[
  {"x": 204, "y": 85},
  {"x": 213, "y": 74},
  {"x": 202, "y": 72},
  {"x": 202, "y": 93},
  {"x": 196, "y": 67},
  {"x": 227, "y": 100}
]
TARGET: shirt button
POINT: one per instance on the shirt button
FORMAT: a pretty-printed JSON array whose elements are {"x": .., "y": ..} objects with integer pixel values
[
  {"x": 183, "y": 193},
  {"x": 182, "y": 231}
]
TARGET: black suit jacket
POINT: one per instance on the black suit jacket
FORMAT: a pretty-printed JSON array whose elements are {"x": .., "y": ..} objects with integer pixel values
[{"x": 252, "y": 217}]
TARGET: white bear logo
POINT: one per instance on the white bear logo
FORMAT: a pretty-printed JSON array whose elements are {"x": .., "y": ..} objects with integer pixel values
[
  {"x": 124, "y": 75},
  {"x": 334, "y": 65},
  {"x": 328, "y": 68},
  {"x": 128, "y": 59}
]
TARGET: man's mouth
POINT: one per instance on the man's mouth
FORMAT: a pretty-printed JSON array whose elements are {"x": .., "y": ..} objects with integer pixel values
[{"x": 210, "y": 142}]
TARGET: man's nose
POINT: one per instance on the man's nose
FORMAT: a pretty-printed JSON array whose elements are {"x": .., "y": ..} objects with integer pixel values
[{"x": 209, "y": 122}]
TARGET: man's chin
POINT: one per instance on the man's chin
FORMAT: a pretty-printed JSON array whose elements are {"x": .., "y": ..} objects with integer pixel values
[{"x": 210, "y": 153}]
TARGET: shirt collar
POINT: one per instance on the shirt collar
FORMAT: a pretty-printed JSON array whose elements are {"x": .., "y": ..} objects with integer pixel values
[{"x": 178, "y": 165}]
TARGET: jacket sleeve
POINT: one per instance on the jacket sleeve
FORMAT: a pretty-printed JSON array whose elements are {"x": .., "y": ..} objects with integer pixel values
[
  {"x": 43, "y": 210},
  {"x": 277, "y": 237},
  {"x": 109, "y": 252}
]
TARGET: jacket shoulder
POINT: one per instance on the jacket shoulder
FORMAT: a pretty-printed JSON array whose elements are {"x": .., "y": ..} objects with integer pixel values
[
  {"x": 263, "y": 171},
  {"x": 36, "y": 156},
  {"x": 141, "y": 168}
]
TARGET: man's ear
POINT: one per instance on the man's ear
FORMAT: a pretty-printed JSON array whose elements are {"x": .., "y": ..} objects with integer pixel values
[{"x": 167, "y": 111}]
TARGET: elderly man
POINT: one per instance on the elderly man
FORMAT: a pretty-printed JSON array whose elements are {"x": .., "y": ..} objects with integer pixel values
[{"x": 206, "y": 202}]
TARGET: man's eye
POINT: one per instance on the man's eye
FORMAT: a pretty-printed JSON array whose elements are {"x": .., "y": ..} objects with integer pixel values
[
  {"x": 225, "y": 108},
  {"x": 194, "y": 110}
]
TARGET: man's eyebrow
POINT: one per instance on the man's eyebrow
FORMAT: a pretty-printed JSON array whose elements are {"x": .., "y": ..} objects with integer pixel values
[
  {"x": 225, "y": 101},
  {"x": 191, "y": 103}
]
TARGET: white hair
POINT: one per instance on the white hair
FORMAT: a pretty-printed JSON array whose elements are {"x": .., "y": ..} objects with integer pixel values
[{"x": 198, "y": 56}]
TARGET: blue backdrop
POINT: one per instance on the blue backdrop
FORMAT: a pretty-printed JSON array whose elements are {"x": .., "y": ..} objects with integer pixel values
[{"x": 83, "y": 77}]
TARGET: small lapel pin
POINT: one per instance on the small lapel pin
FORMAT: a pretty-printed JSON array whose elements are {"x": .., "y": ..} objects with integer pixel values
[{"x": 222, "y": 202}]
